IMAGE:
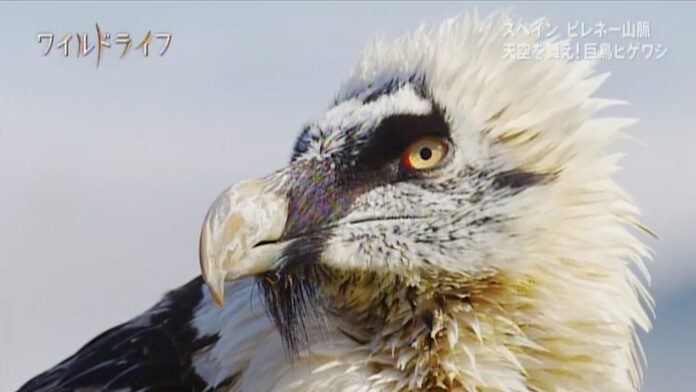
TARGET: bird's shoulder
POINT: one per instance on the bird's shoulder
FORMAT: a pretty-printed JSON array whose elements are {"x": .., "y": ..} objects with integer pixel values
[{"x": 152, "y": 352}]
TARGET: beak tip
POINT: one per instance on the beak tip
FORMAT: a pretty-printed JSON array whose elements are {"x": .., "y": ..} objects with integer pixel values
[
  {"x": 216, "y": 286},
  {"x": 219, "y": 299}
]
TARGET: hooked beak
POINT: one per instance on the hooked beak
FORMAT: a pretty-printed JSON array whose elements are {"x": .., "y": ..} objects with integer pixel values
[{"x": 238, "y": 234}]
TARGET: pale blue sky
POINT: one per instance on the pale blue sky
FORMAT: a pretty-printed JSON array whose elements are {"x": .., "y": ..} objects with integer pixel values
[{"x": 105, "y": 173}]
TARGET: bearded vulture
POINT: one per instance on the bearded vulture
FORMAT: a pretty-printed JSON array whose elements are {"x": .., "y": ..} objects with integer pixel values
[{"x": 450, "y": 223}]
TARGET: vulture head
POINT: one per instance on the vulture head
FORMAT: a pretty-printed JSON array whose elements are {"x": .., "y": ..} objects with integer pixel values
[{"x": 453, "y": 208}]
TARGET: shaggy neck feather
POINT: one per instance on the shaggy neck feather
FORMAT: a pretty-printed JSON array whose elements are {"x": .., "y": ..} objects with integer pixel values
[{"x": 476, "y": 333}]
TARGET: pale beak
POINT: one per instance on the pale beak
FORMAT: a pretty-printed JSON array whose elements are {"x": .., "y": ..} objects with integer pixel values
[{"x": 242, "y": 217}]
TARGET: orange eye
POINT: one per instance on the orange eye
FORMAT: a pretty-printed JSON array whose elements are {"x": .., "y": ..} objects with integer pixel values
[{"x": 424, "y": 154}]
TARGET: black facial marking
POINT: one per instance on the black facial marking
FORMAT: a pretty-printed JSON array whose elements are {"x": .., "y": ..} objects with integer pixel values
[
  {"x": 395, "y": 133},
  {"x": 390, "y": 87},
  {"x": 228, "y": 383},
  {"x": 301, "y": 144},
  {"x": 518, "y": 179}
]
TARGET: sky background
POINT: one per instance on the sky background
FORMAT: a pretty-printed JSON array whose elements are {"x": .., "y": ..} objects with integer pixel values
[{"x": 106, "y": 173}]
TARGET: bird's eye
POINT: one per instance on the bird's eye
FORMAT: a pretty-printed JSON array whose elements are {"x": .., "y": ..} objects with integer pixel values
[{"x": 424, "y": 154}]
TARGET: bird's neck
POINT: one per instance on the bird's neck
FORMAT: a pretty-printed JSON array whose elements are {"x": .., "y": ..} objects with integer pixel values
[{"x": 487, "y": 332}]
